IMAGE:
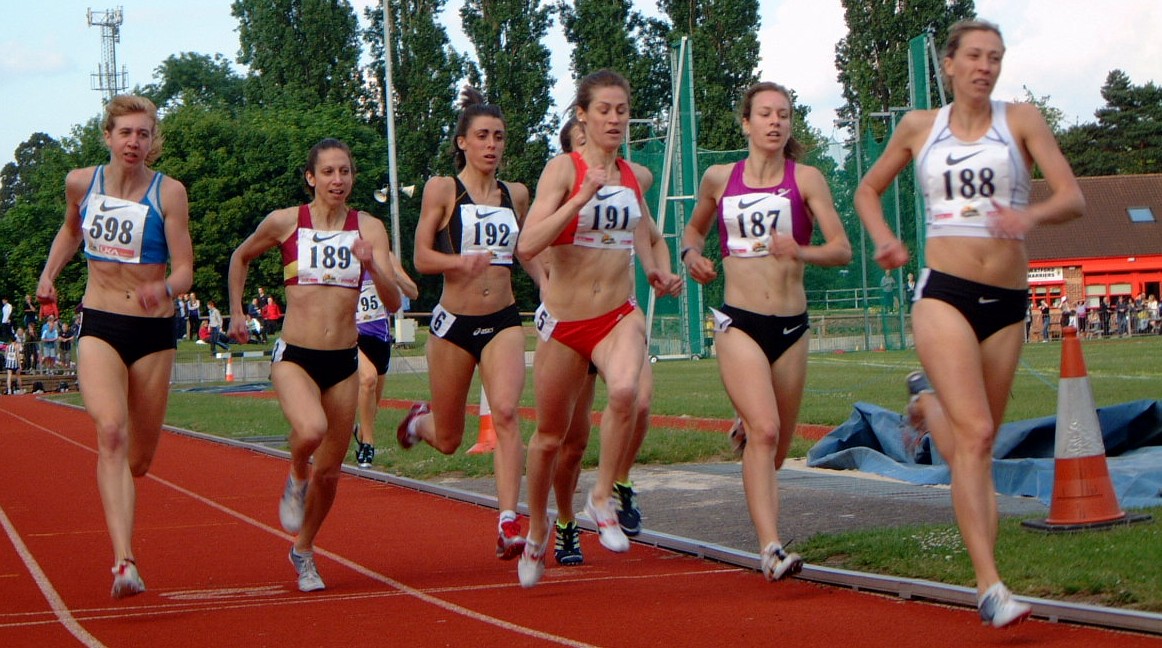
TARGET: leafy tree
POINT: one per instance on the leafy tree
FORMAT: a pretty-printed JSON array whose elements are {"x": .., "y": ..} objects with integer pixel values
[
  {"x": 1127, "y": 137},
  {"x": 724, "y": 37},
  {"x": 507, "y": 36},
  {"x": 426, "y": 72},
  {"x": 513, "y": 72},
  {"x": 190, "y": 78},
  {"x": 610, "y": 34},
  {"x": 300, "y": 51},
  {"x": 1053, "y": 116},
  {"x": 873, "y": 58},
  {"x": 15, "y": 177}
]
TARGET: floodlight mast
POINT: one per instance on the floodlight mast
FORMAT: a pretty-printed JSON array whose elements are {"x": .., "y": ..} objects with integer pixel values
[{"x": 107, "y": 79}]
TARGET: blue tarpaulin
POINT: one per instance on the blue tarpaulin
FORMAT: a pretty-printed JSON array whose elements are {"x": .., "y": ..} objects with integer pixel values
[{"x": 872, "y": 440}]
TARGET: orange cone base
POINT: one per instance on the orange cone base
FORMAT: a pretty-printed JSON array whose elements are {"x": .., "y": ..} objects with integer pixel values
[
  {"x": 1083, "y": 492},
  {"x": 486, "y": 441},
  {"x": 1047, "y": 527}
]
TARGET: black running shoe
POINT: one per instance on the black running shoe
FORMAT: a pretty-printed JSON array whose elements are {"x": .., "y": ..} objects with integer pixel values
[
  {"x": 567, "y": 550},
  {"x": 629, "y": 516}
]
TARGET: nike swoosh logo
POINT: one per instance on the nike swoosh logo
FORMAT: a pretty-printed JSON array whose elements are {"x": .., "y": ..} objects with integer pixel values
[
  {"x": 982, "y": 300},
  {"x": 105, "y": 206},
  {"x": 320, "y": 239},
  {"x": 601, "y": 196},
  {"x": 953, "y": 161},
  {"x": 483, "y": 214},
  {"x": 746, "y": 205},
  {"x": 788, "y": 331}
]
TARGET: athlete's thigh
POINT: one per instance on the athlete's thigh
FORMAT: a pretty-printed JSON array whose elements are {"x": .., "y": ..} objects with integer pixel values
[
  {"x": 299, "y": 397},
  {"x": 149, "y": 391},
  {"x": 104, "y": 382},
  {"x": 951, "y": 356},
  {"x": 1000, "y": 355},
  {"x": 450, "y": 370},
  {"x": 746, "y": 375},
  {"x": 558, "y": 381},
  {"x": 619, "y": 355},
  {"x": 502, "y": 367}
]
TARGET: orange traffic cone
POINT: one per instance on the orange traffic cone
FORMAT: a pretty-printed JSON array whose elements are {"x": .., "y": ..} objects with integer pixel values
[
  {"x": 1083, "y": 495},
  {"x": 486, "y": 440},
  {"x": 229, "y": 368}
]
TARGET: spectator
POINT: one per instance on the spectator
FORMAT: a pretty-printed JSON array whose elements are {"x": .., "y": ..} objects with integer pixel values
[
  {"x": 49, "y": 309},
  {"x": 272, "y": 316},
  {"x": 254, "y": 326},
  {"x": 30, "y": 311},
  {"x": 1122, "y": 312},
  {"x": 1082, "y": 317},
  {"x": 1103, "y": 314},
  {"x": 204, "y": 332},
  {"x": 6, "y": 320},
  {"x": 12, "y": 360},
  {"x": 194, "y": 313},
  {"x": 31, "y": 349},
  {"x": 216, "y": 337},
  {"x": 50, "y": 334},
  {"x": 1046, "y": 319}
]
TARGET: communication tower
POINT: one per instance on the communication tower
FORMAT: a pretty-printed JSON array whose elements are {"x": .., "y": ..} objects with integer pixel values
[{"x": 108, "y": 79}]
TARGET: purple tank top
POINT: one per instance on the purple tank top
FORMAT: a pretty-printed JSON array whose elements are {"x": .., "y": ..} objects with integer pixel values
[{"x": 751, "y": 213}]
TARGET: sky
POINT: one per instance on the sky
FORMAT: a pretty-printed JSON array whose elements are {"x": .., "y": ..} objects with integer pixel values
[{"x": 1062, "y": 49}]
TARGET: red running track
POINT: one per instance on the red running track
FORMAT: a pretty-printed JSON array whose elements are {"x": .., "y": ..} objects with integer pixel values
[{"x": 402, "y": 568}]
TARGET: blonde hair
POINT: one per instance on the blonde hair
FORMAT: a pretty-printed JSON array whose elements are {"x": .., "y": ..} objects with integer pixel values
[{"x": 122, "y": 105}]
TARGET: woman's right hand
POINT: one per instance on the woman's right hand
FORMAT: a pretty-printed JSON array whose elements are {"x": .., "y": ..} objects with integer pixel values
[
  {"x": 700, "y": 268},
  {"x": 891, "y": 254},
  {"x": 45, "y": 291}
]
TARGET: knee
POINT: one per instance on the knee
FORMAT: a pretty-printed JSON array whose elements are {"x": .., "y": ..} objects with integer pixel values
[
  {"x": 976, "y": 442},
  {"x": 763, "y": 433},
  {"x": 368, "y": 382},
  {"x": 545, "y": 443},
  {"x": 622, "y": 398}
]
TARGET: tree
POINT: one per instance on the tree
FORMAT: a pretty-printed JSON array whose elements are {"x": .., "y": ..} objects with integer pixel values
[
  {"x": 513, "y": 72},
  {"x": 610, "y": 34},
  {"x": 189, "y": 78},
  {"x": 16, "y": 177},
  {"x": 300, "y": 51},
  {"x": 426, "y": 72},
  {"x": 873, "y": 58},
  {"x": 724, "y": 37},
  {"x": 1127, "y": 137},
  {"x": 1053, "y": 116}
]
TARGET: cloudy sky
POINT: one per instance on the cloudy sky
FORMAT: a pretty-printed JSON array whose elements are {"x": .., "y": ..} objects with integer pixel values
[{"x": 1058, "y": 48}]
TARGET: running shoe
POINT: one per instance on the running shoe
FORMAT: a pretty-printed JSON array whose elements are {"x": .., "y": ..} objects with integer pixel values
[
  {"x": 126, "y": 580},
  {"x": 629, "y": 516},
  {"x": 998, "y": 608},
  {"x": 568, "y": 548},
  {"x": 778, "y": 564},
  {"x": 292, "y": 505},
  {"x": 309, "y": 580},
  {"x": 531, "y": 565},
  {"x": 406, "y": 437},
  {"x": 737, "y": 437},
  {"x": 608, "y": 529},
  {"x": 509, "y": 542}
]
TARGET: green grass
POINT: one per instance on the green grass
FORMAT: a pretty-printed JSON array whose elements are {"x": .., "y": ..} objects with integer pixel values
[{"x": 1118, "y": 567}]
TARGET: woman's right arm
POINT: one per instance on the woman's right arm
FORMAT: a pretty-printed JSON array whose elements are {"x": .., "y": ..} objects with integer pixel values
[
  {"x": 68, "y": 238},
  {"x": 901, "y": 149},
  {"x": 551, "y": 212},
  {"x": 269, "y": 233},
  {"x": 694, "y": 236}
]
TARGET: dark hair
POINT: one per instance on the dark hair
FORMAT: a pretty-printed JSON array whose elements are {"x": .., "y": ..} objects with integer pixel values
[
  {"x": 472, "y": 105},
  {"x": 325, "y": 144},
  {"x": 600, "y": 79},
  {"x": 566, "y": 136},
  {"x": 793, "y": 149}
]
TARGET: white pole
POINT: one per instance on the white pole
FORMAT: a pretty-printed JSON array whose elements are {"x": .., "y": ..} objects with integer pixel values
[{"x": 392, "y": 173}]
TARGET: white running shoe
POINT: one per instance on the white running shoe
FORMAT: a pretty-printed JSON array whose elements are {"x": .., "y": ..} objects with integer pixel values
[
  {"x": 309, "y": 580},
  {"x": 608, "y": 528},
  {"x": 126, "y": 580},
  {"x": 778, "y": 564},
  {"x": 999, "y": 609},
  {"x": 531, "y": 565},
  {"x": 292, "y": 505}
]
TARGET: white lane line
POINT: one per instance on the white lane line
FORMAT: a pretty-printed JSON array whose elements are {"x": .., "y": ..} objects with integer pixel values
[
  {"x": 63, "y": 615},
  {"x": 350, "y": 564}
]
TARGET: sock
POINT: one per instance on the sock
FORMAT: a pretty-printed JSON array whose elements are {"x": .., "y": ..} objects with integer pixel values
[{"x": 506, "y": 516}]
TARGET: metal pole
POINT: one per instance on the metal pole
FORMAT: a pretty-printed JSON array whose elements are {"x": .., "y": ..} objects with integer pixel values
[{"x": 392, "y": 173}]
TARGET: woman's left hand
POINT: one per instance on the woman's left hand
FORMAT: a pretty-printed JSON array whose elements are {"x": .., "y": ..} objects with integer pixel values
[{"x": 1009, "y": 223}]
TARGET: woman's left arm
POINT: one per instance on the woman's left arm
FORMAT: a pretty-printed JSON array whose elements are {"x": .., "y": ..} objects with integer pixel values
[{"x": 836, "y": 249}]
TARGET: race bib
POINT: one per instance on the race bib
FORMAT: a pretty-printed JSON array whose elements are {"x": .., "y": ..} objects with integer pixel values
[
  {"x": 963, "y": 181},
  {"x": 114, "y": 229},
  {"x": 326, "y": 258},
  {"x": 608, "y": 219},
  {"x": 544, "y": 322},
  {"x": 370, "y": 307},
  {"x": 442, "y": 321},
  {"x": 752, "y": 219},
  {"x": 489, "y": 229}
]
